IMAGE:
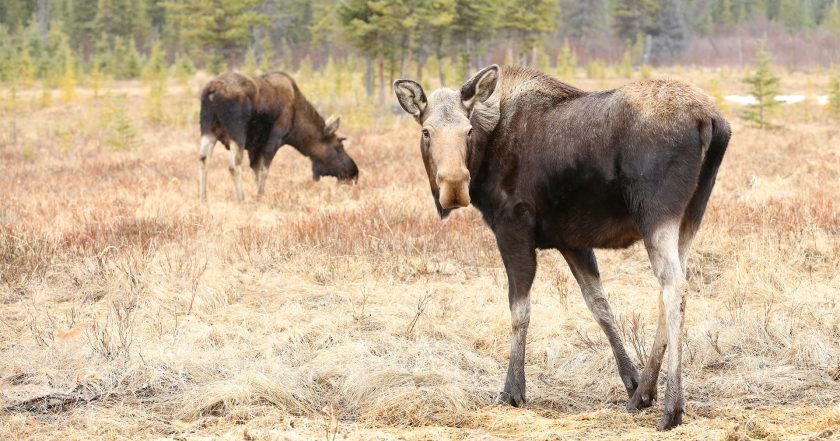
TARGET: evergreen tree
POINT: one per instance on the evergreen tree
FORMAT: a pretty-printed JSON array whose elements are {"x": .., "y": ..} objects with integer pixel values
[
  {"x": 53, "y": 62},
  {"x": 474, "y": 24},
  {"x": 566, "y": 62},
  {"x": 632, "y": 18},
  {"x": 14, "y": 13},
  {"x": 831, "y": 20},
  {"x": 125, "y": 19},
  {"x": 155, "y": 74},
  {"x": 722, "y": 13},
  {"x": 220, "y": 29},
  {"x": 96, "y": 76},
  {"x": 156, "y": 64},
  {"x": 120, "y": 133},
  {"x": 794, "y": 14},
  {"x": 525, "y": 22},
  {"x": 764, "y": 86},
  {"x": 672, "y": 37},
  {"x": 583, "y": 18},
  {"x": 249, "y": 66},
  {"x": 124, "y": 62},
  {"x": 68, "y": 80},
  {"x": 755, "y": 10},
  {"x": 359, "y": 26}
]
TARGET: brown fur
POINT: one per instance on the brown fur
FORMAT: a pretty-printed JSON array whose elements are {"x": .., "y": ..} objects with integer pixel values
[
  {"x": 260, "y": 114},
  {"x": 551, "y": 166}
]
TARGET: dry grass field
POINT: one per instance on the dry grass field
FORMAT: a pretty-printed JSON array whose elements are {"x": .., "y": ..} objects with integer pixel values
[{"x": 129, "y": 310}]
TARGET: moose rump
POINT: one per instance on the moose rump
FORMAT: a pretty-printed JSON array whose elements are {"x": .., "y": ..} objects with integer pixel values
[{"x": 259, "y": 115}]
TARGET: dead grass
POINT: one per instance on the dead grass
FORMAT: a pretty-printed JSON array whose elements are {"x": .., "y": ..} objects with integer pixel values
[{"x": 130, "y": 310}]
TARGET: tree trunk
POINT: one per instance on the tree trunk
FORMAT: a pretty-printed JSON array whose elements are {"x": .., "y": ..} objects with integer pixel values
[
  {"x": 406, "y": 63},
  {"x": 441, "y": 75},
  {"x": 381, "y": 80},
  {"x": 421, "y": 62},
  {"x": 369, "y": 76},
  {"x": 43, "y": 17}
]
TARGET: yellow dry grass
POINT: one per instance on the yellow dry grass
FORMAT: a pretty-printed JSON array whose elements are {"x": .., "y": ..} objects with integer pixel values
[{"x": 128, "y": 310}]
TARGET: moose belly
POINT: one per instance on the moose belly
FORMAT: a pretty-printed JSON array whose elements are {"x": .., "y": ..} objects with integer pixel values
[{"x": 588, "y": 214}]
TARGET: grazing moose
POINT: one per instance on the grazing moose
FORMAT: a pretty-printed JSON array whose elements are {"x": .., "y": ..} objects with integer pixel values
[
  {"x": 551, "y": 166},
  {"x": 260, "y": 114}
]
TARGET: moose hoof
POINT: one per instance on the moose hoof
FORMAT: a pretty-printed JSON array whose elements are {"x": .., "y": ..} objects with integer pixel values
[
  {"x": 670, "y": 419},
  {"x": 508, "y": 399},
  {"x": 640, "y": 400}
]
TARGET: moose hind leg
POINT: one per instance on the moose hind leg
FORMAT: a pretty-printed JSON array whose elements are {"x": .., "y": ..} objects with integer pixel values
[
  {"x": 663, "y": 250},
  {"x": 235, "y": 167},
  {"x": 687, "y": 231},
  {"x": 646, "y": 392},
  {"x": 585, "y": 269},
  {"x": 207, "y": 143}
]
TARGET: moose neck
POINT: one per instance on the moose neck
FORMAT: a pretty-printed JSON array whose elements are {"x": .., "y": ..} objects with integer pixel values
[
  {"x": 307, "y": 126},
  {"x": 484, "y": 166}
]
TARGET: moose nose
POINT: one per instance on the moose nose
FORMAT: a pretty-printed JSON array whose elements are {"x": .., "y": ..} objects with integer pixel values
[
  {"x": 455, "y": 177},
  {"x": 454, "y": 188}
]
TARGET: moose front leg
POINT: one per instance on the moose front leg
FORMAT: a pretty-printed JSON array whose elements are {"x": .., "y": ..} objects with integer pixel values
[
  {"x": 516, "y": 244},
  {"x": 208, "y": 141}
]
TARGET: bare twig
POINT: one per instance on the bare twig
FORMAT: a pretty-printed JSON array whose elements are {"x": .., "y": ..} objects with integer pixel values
[{"x": 422, "y": 302}]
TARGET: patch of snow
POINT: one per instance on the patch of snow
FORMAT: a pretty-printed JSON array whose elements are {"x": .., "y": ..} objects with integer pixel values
[
  {"x": 790, "y": 99},
  {"x": 745, "y": 100}
]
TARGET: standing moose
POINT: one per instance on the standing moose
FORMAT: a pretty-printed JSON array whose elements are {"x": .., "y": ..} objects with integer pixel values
[
  {"x": 260, "y": 114},
  {"x": 551, "y": 166}
]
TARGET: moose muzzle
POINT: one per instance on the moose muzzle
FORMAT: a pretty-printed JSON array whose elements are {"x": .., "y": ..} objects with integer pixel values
[{"x": 454, "y": 187}]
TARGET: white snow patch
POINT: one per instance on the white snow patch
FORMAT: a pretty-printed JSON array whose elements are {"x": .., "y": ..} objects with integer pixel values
[{"x": 749, "y": 100}]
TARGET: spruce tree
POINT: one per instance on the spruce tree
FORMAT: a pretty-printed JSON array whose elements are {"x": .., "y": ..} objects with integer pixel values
[
  {"x": 764, "y": 86},
  {"x": 566, "y": 62},
  {"x": 155, "y": 76},
  {"x": 831, "y": 20},
  {"x": 673, "y": 34},
  {"x": 96, "y": 76},
  {"x": 221, "y": 30},
  {"x": 250, "y": 64},
  {"x": 632, "y": 18},
  {"x": 526, "y": 21},
  {"x": 27, "y": 69},
  {"x": 68, "y": 80}
]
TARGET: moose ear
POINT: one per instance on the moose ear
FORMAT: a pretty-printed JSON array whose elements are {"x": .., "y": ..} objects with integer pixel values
[
  {"x": 331, "y": 126},
  {"x": 411, "y": 97},
  {"x": 480, "y": 87}
]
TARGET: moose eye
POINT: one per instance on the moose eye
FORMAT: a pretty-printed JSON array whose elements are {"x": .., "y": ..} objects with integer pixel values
[
  {"x": 425, "y": 134},
  {"x": 469, "y": 133}
]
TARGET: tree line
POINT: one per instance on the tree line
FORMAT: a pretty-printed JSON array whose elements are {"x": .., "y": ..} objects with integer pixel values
[{"x": 44, "y": 38}]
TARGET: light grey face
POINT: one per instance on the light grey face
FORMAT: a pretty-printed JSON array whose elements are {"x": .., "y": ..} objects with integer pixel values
[
  {"x": 445, "y": 133},
  {"x": 444, "y": 119}
]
